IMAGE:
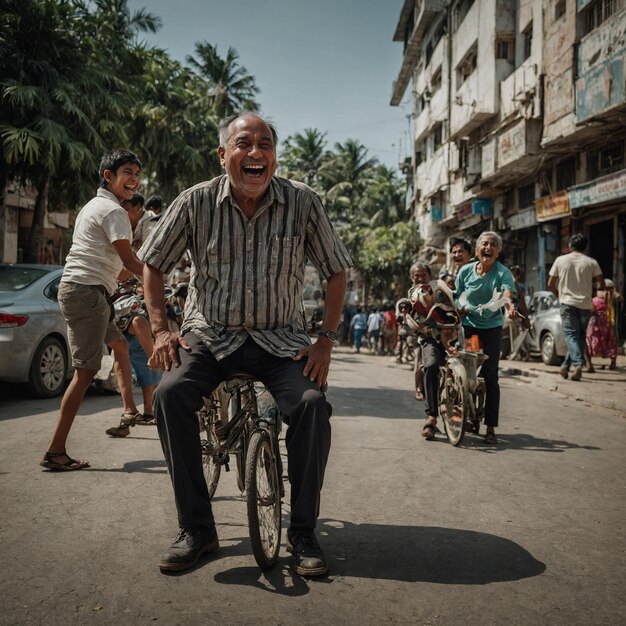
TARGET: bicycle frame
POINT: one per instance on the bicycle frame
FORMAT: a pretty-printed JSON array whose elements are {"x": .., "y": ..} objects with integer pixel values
[
  {"x": 233, "y": 436},
  {"x": 461, "y": 394}
]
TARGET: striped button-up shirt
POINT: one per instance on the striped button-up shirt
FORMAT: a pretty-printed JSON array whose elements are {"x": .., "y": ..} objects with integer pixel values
[{"x": 247, "y": 275}]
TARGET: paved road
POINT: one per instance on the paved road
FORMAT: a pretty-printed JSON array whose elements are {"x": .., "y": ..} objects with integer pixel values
[{"x": 528, "y": 532}]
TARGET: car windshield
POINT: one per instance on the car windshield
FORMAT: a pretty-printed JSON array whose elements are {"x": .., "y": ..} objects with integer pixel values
[{"x": 15, "y": 278}]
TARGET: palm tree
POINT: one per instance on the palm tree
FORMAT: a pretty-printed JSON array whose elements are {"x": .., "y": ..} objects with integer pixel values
[
  {"x": 172, "y": 127},
  {"x": 231, "y": 88},
  {"x": 303, "y": 155},
  {"x": 345, "y": 176},
  {"x": 63, "y": 101},
  {"x": 384, "y": 201}
]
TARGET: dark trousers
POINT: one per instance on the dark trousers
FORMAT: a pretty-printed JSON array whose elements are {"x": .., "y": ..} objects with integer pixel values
[
  {"x": 180, "y": 394},
  {"x": 433, "y": 357},
  {"x": 490, "y": 340}
]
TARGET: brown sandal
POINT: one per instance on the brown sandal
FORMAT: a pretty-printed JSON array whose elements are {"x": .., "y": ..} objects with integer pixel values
[
  {"x": 145, "y": 419},
  {"x": 71, "y": 464},
  {"x": 429, "y": 430},
  {"x": 126, "y": 423}
]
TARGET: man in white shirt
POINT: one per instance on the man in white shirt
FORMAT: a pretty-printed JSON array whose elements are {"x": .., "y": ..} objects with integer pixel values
[
  {"x": 101, "y": 247},
  {"x": 571, "y": 280},
  {"x": 153, "y": 208}
]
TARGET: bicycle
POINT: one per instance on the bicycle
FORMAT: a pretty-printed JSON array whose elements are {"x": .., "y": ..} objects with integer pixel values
[
  {"x": 231, "y": 423},
  {"x": 461, "y": 394}
]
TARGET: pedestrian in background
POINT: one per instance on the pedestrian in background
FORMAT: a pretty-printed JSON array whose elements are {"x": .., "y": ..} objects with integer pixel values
[
  {"x": 374, "y": 325},
  {"x": 152, "y": 213},
  {"x": 358, "y": 326},
  {"x": 138, "y": 335},
  {"x": 461, "y": 252},
  {"x": 571, "y": 280},
  {"x": 389, "y": 331}
]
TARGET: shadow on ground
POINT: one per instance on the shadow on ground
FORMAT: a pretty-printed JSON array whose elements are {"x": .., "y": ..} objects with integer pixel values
[
  {"x": 447, "y": 556},
  {"x": 512, "y": 441}
]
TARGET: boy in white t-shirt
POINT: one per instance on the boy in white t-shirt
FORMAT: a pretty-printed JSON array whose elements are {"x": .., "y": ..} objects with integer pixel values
[{"x": 101, "y": 248}]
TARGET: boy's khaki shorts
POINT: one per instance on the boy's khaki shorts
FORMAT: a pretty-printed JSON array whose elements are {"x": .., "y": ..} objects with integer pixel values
[{"x": 88, "y": 314}]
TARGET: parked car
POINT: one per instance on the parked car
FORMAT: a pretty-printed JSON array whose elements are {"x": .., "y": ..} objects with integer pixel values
[
  {"x": 546, "y": 339},
  {"x": 33, "y": 335}
]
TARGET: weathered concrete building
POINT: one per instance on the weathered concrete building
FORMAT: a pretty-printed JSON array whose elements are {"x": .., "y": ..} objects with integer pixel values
[{"x": 519, "y": 110}]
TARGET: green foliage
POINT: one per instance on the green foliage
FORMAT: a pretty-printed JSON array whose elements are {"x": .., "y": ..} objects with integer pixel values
[
  {"x": 365, "y": 201},
  {"x": 229, "y": 88}
]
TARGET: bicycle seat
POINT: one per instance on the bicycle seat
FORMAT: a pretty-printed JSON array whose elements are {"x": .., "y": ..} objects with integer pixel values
[{"x": 241, "y": 376}]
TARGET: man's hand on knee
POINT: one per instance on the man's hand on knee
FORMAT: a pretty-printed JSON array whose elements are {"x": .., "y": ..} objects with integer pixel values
[{"x": 166, "y": 346}]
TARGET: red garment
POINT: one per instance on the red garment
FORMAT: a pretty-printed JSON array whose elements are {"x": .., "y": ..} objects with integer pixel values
[
  {"x": 600, "y": 338},
  {"x": 389, "y": 321}
]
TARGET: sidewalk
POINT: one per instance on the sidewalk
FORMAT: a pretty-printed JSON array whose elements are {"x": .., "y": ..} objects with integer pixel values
[{"x": 604, "y": 388}]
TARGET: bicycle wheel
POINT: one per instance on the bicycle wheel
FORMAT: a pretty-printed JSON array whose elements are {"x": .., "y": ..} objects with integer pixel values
[
  {"x": 263, "y": 499},
  {"x": 209, "y": 444},
  {"x": 452, "y": 401}
]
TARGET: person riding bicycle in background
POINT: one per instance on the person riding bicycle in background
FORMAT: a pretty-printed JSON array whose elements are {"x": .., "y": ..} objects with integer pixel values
[
  {"x": 248, "y": 234},
  {"x": 420, "y": 274},
  {"x": 475, "y": 286},
  {"x": 433, "y": 341}
]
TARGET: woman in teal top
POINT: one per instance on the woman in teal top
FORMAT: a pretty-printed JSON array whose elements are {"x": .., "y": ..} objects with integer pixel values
[{"x": 475, "y": 286}]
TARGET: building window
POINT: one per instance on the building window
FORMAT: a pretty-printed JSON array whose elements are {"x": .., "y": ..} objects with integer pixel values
[
  {"x": 437, "y": 137},
  {"x": 528, "y": 40},
  {"x": 467, "y": 66},
  {"x": 509, "y": 201},
  {"x": 526, "y": 196},
  {"x": 559, "y": 9},
  {"x": 566, "y": 174},
  {"x": 599, "y": 11},
  {"x": 435, "y": 81},
  {"x": 612, "y": 158},
  {"x": 462, "y": 9},
  {"x": 505, "y": 48},
  {"x": 605, "y": 161}
]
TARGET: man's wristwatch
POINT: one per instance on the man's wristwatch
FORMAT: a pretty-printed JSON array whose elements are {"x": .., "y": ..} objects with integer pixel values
[{"x": 331, "y": 335}]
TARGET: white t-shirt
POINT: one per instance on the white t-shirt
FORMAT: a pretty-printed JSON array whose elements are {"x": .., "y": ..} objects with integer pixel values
[
  {"x": 575, "y": 272},
  {"x": 145, "y": 226},
  {"x": 92, "y": 259},
  {"x": 373, "y": 322}
]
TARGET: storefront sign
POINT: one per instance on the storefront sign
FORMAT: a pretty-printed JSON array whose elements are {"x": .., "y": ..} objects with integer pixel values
[
  {"x": 605, "y": 189},
  {"x": 523, "y": 219},
  {"x": 552, "y": 207}
]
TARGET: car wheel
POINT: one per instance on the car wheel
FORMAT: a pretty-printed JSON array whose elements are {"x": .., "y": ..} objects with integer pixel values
[
  {"x": 48, "y": 369},
  {"x": 548, "y": 349}
]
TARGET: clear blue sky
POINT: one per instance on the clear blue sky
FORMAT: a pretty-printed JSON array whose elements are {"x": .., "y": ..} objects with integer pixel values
[{"x": 325, "y": 64}]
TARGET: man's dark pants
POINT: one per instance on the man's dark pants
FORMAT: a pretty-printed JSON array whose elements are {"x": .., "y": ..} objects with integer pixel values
[
  {"x": 433, "y": 357},
  {"x": 490, "y": 342},
  {"x": 180, "y": 394}
]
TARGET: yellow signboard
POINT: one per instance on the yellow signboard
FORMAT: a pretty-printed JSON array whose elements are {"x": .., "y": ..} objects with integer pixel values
[{"x": 552, "y": 207}]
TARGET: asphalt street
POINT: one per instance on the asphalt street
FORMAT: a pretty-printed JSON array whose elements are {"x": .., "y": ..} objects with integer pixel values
[{"x": 527, "y": 532}]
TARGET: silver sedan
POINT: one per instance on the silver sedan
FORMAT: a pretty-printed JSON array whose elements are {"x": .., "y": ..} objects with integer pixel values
[
  {"x": 33, "y": 334},
  {"x": 547, "y": 340}
]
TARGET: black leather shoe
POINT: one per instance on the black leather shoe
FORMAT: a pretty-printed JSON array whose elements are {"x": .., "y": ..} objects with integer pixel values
[
  {"x": 308, "y": 557},
  {"x": 188, "y": 547}
]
